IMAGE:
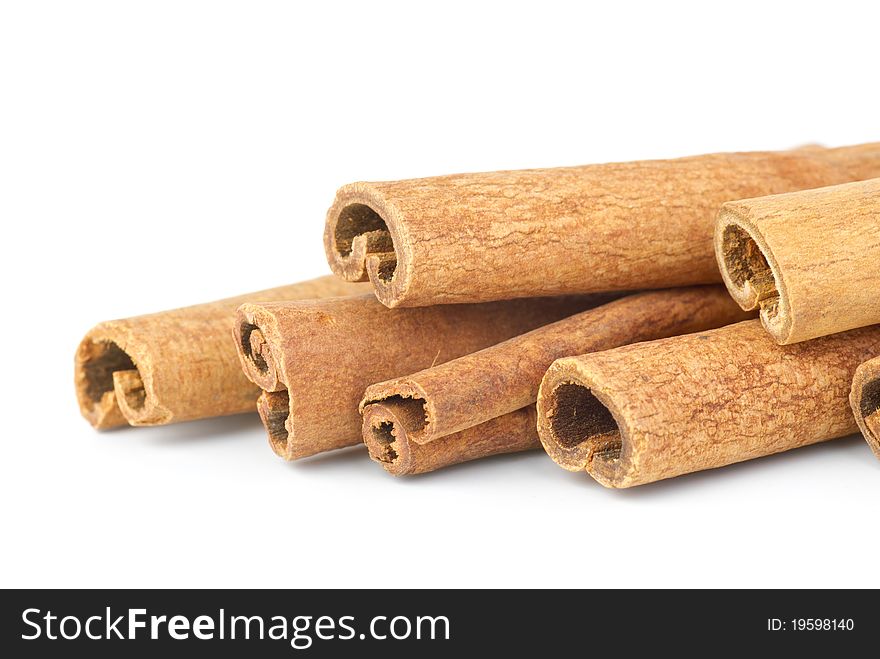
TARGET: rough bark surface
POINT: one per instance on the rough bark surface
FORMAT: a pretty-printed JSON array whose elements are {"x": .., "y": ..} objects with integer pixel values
[
  {"x": 809, "y": 260},
  {"x": 176, "y": 365},
  {"x": 655, "y": 410},
  {"x": 316, "y": 357},
  {"x": 865, "y": 401},
  {"x": 503, "y": 378},
  {"x": 621, "y": 226}
]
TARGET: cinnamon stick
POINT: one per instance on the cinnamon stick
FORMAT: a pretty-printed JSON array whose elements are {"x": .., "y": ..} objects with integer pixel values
[
  {"x": 621, "y": 226},
  {"x": 865, "y": 400},
  {"x": 315, "y": 358},
  {"x": 451, "y": 404},
  {"x": 174, "y": 365},
  {"x": 386, "y": 436},
  {"x": 655, "y": 410},
  {"x": 807, "y": 259}
]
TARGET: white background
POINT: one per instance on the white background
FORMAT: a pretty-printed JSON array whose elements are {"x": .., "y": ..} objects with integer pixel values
[{"x": 159, "y": 154}]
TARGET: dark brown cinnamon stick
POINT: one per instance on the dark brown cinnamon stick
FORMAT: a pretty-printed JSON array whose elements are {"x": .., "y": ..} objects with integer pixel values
[
  {"x": 503, "y": 378},
  {"x": 387, "y": 438},
  {"x": 315, "y": 358}
]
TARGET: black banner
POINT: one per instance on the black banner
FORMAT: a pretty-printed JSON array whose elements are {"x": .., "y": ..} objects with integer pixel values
[{"x": 291, "y": 623}]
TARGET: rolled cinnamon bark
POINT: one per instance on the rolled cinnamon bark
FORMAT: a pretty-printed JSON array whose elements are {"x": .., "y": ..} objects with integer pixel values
[
  {"x": 503, "y": 378},
  {"x": 865, "y": 401},
  {"x": 499, "y": 235},
  {"x": 809, "y": 260},
  {"x": 386, "y": 437},
  {"x": 315, "y": 358},
  {"x": 175, "y": 365},
  {"x": 645, "y": 412}
]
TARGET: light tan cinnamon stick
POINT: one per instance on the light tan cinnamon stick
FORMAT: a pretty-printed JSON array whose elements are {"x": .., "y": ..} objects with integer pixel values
[
  {"x": 174, "y": 365},
  {"x": 437, "y": 405},
  {"x": 809, "y": 260},
  {"x": 655, "y": 410},
  {"x": 621, "y": 226},
  {"x": 315, "y": 358},
  {"x": 865, "y": 400}
]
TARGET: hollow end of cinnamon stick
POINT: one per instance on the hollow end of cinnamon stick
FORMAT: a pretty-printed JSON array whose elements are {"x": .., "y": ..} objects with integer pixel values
[
  {"x": 364, "y": 242},
  {"x": 390, "y": 444},
  {"x": 751, "y": 274},
  {"x": 274, "y": 410},
  {"x": 579, "y": 427},
  {"x": 386, "y": 436},
  {"x": 865, "y": 400},
  {"x": 255, "y": 352},
  {"x": 112, "y": 383},
  {"x": 413, "y": 405}
]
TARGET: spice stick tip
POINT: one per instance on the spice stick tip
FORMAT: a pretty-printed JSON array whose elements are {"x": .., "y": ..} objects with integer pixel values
[
  {"x": 274, "y": 410},
  {"x": 251, "y": 333},
  {"x": 363, "y": 241},
  {"x": 410, "y": 405},
  {"x": 865, "y": 399},
  {"x": 578, "y": 427},
  {"x": 386, "y": 438},
  {"x": 749, "y": 272},
  {"x": 110, "y": 384}
]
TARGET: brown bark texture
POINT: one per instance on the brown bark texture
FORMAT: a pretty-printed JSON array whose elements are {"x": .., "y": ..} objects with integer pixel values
[
  {"x": 438, "y": 404},
  {"x": 654, "y": 410},
  {"x": 865, "y": 401},
  {"x": 808, "y": 260},
  {"x": 621, "y": 226},
  {"x": 176, "y": 365},
  {"x": 315, "y": 358}
]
